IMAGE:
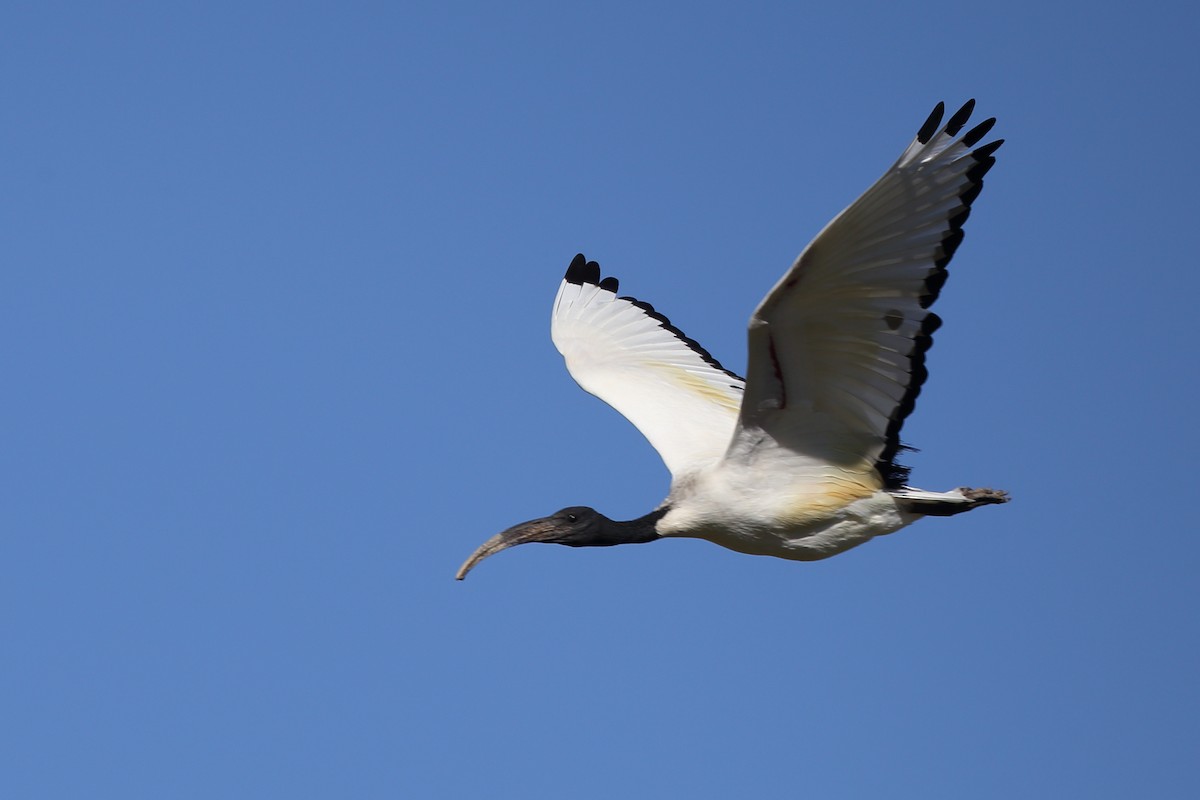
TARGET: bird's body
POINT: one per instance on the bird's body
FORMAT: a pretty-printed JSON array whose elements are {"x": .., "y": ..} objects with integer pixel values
[
  {"x": 735, "y": 506},
  {"x": 798, "y": 460}
]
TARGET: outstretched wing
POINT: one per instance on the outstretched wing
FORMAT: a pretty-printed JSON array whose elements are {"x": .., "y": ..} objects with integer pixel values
[
  {"x": 837, "y": 348},
  {"x": 634, "y": 359}
]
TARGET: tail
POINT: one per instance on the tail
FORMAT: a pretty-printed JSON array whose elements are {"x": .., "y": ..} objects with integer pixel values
[{"x": 945, "y": 504}]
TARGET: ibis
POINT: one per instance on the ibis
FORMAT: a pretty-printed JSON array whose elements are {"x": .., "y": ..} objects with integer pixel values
[{"x": 797, "y": 460}]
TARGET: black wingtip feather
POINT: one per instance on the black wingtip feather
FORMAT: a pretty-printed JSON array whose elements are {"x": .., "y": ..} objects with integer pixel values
[
  {"x": 949, "y": 244},
  {"x": 975, "y": 174},
  {"x": 987, "y": 150},
  {"x": 582, "y": 271},
  {"x": 610, "y": 284},
  {"x": 933, "y": 287},
  {"x": 936, "y": 281},
  {"x": 973, "y": 136},
  {"x": 931, "y": 124},
  {"x": 960, "y": 118},
  {"x": 971, "y": 193}
]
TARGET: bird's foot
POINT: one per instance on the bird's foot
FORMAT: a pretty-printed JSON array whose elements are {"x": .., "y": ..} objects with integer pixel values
[{"x": 982, "y": 497}]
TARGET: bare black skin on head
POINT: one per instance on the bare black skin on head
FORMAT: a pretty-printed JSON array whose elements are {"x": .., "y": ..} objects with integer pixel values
[{"x": 577, "y": 526}]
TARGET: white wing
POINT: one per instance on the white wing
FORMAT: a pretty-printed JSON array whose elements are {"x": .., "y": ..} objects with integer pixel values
[
  {"x": 632, "y": 358},
  {"x": 837, "y": 348}
]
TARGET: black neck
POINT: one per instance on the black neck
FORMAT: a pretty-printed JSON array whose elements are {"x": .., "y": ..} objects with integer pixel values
[{"x": 634, "y": 531}]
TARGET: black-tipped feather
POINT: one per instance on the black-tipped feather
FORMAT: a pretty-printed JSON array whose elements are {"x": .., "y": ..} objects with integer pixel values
[
  {"x": 985, "y": 152},
  {"x": 954, "y": 125},
  {"x": 970, "y": 194},
  {"x": 582, "y": 271},
  {"x": 973, "y": 136},
  {"x": 931, "y": 124}
]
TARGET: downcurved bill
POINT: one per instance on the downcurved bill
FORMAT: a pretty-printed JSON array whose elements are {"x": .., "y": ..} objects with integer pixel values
[{"x": 536, "y": 530}]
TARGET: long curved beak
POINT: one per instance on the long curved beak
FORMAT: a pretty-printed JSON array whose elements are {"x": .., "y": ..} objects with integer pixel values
[{"x": 536, "y": 530}]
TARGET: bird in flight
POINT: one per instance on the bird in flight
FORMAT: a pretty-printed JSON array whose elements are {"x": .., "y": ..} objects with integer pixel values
[{"x": 798, "y": 459}]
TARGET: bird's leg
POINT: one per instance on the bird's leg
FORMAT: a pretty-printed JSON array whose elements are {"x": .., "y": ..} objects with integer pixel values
[{"x": 946, "y": 504}]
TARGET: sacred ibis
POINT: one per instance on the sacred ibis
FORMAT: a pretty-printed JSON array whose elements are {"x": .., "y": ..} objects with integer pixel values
[{"x": 798, "y": 459}]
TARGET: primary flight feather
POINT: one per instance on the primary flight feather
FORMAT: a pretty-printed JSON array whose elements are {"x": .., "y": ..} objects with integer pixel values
[{"x": 797, "y": 460}]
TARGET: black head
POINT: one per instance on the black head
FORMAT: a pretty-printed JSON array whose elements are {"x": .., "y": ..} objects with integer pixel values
[{"x": 577, "y": 526}]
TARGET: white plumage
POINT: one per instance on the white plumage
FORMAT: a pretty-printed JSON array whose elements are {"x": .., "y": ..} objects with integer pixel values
[
  {"x": 799, "y": 459},
  {"x": 630, "y": 357}
]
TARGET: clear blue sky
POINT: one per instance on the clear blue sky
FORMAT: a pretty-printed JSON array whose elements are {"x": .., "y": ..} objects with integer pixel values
[{"x": 275, "y": 345}]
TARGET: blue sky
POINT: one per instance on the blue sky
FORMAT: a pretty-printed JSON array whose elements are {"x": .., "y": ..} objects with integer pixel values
[{"x": 275, "y": 332}]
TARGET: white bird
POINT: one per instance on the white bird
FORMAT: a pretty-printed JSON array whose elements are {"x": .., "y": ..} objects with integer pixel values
[{"x": 797, "y": 460}]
